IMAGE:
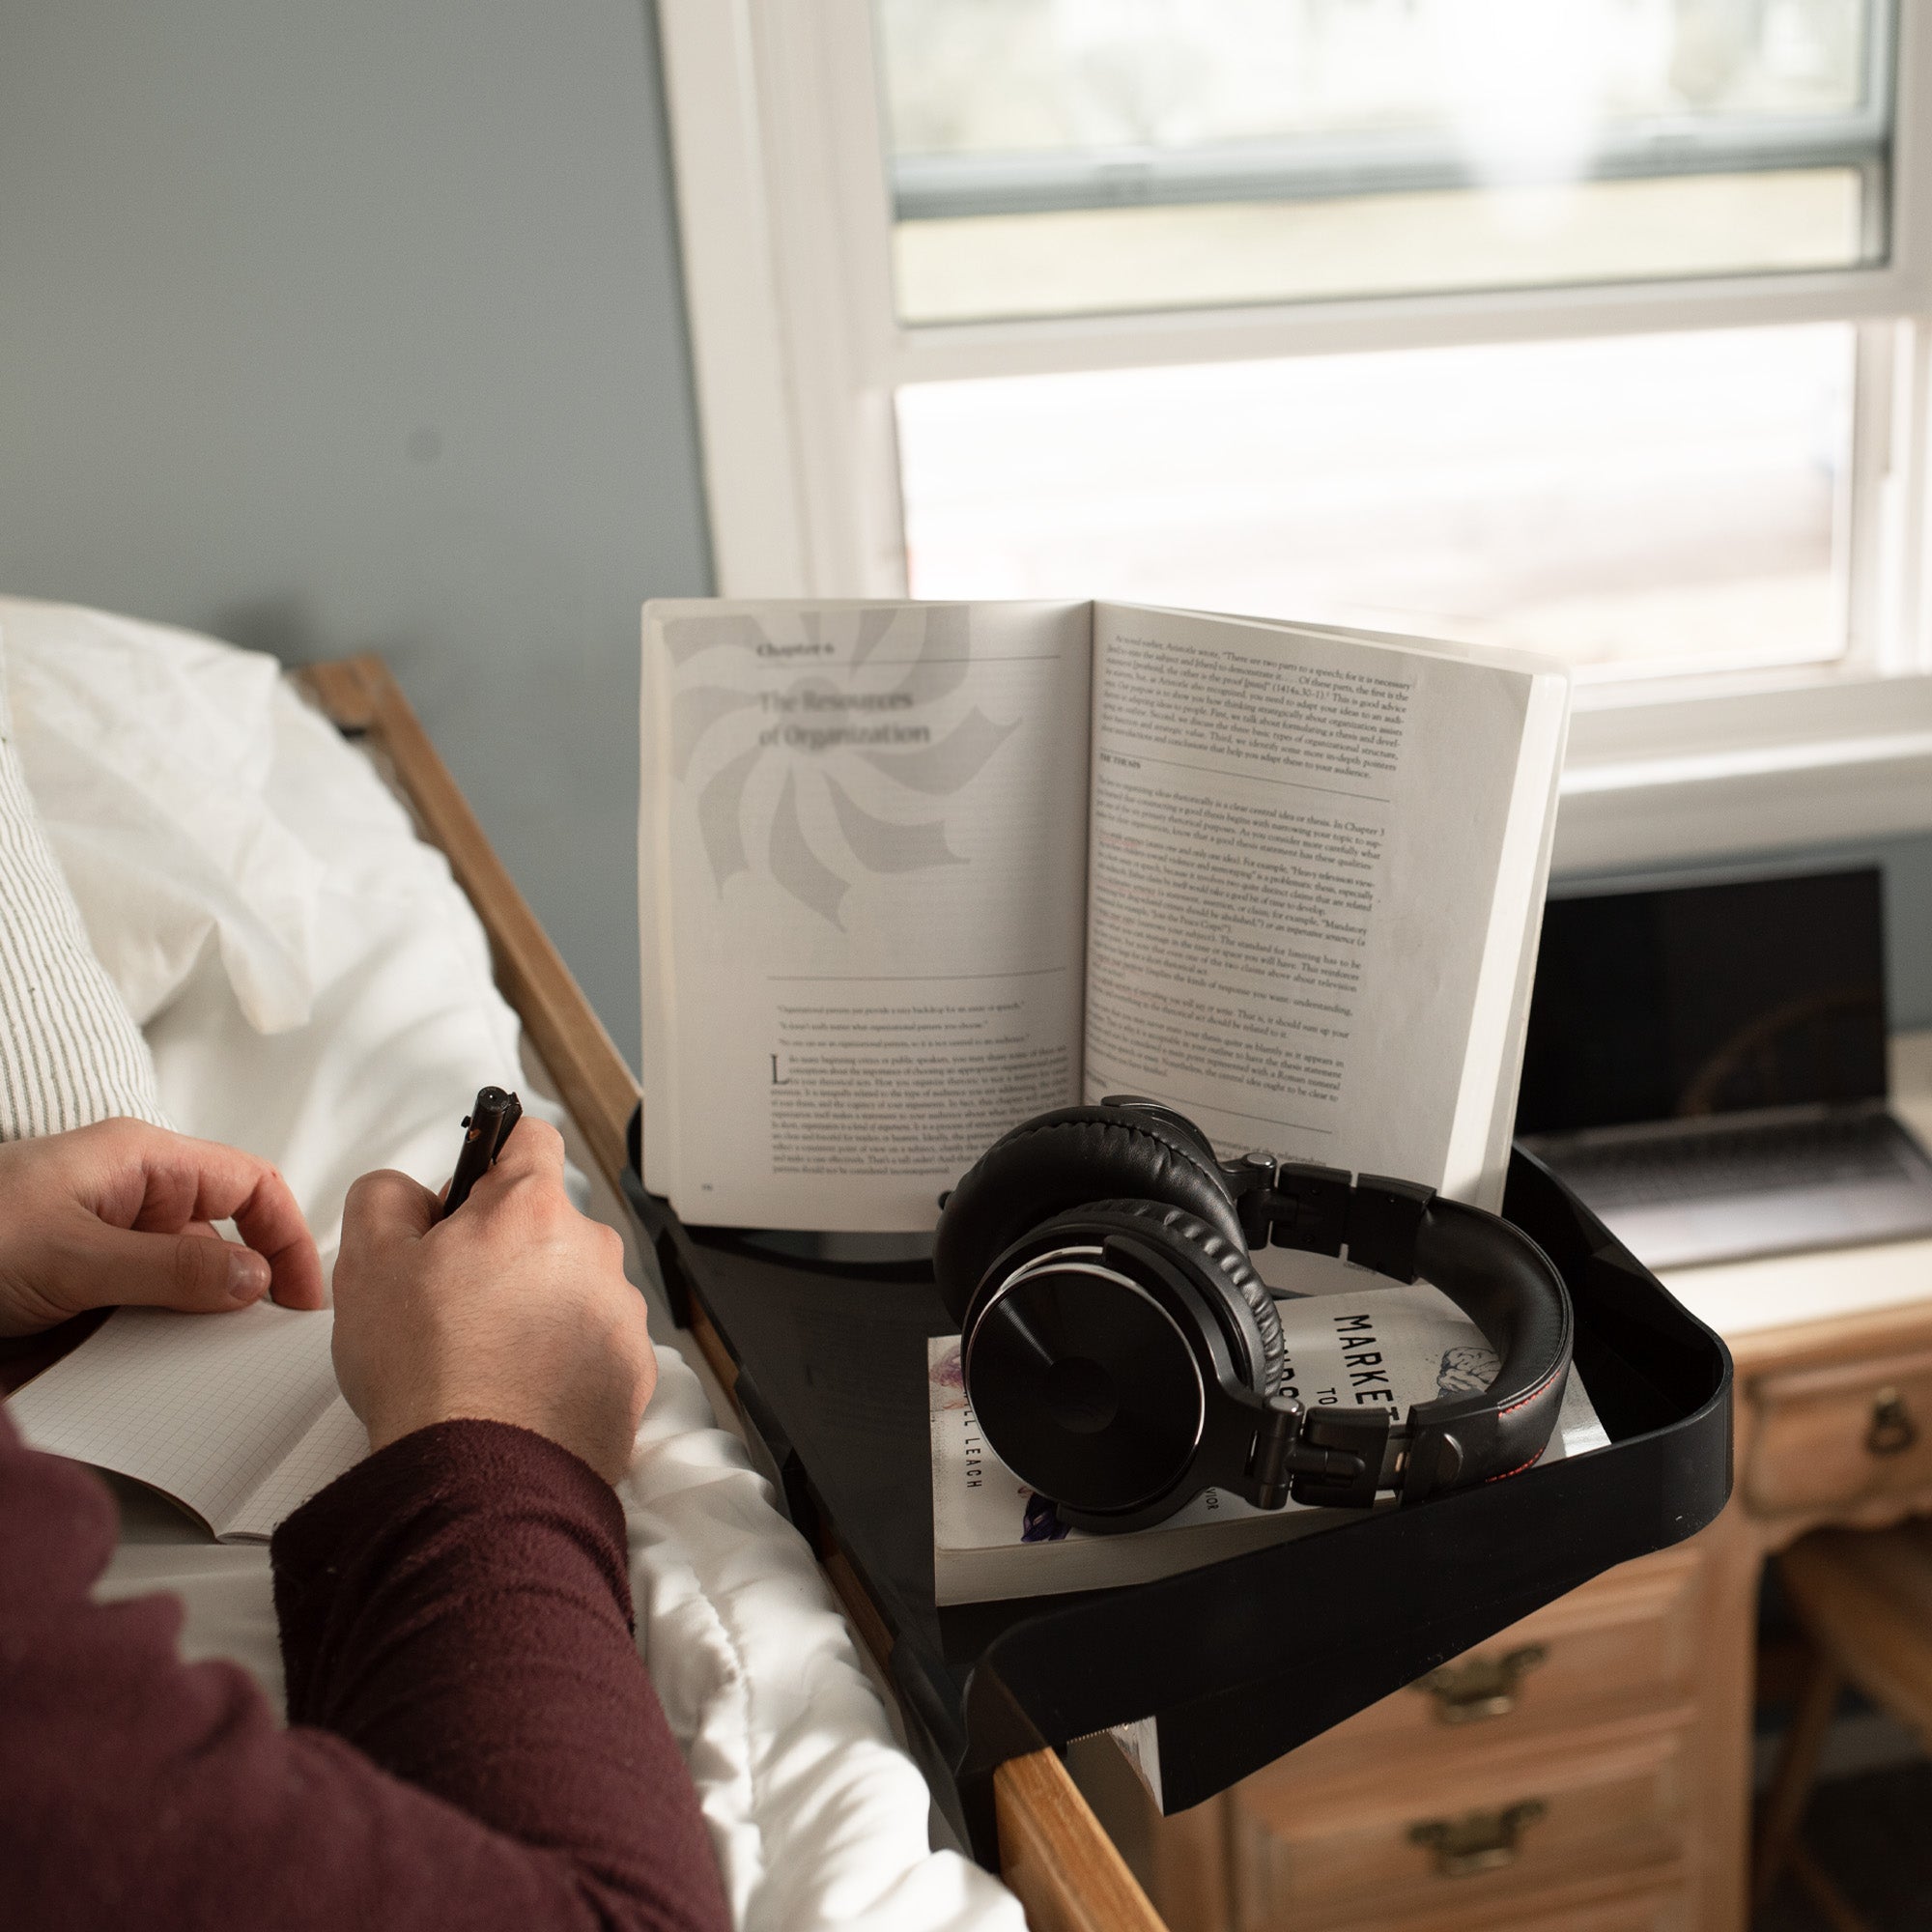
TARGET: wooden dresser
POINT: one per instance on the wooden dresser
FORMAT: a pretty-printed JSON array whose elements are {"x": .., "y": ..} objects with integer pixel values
[{"x": 1589, "y": 1769}]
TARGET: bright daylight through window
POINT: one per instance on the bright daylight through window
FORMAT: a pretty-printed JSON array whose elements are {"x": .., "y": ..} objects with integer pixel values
[
  {"x": 1635, "y": 503},
  {"x": 1054, "y": 157},
  {"x": 1613, "y": 501}
]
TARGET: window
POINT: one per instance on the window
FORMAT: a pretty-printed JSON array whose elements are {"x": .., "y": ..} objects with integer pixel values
[
  {"x": 1086, "y": 154},
  {"x": 1591, "y": 327},
  {"x": 1624, "y": 502}
]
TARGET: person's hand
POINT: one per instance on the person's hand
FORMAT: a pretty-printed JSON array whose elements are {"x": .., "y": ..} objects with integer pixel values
[
  {"x": 122, "y": 1213},
  {"x": 515, "y": 1309}
]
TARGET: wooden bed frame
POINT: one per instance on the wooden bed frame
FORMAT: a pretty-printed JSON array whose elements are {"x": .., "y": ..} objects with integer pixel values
[{"x": 1054, "y": 1854}]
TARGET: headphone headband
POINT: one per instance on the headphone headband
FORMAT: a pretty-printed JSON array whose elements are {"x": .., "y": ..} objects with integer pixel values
[
  {"x": 1493, "y": 1271},
  {"x": 1101, "y": 1176}
]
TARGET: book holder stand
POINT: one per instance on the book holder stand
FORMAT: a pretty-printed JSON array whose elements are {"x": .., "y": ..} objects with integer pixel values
[{"x": 1240, "y": 1661}]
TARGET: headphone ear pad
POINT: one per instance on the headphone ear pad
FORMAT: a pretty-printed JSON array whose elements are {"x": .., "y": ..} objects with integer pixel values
[
  {"x": 1070, "y": 1158},
  {"x": 1244, "y": 1292}
]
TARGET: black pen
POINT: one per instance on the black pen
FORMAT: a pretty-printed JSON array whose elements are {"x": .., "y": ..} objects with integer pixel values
[{"x": 488, "y": 1122}]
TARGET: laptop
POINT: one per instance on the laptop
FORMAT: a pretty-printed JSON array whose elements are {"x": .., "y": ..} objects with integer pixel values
[{"x": 1706, "y": 1068}]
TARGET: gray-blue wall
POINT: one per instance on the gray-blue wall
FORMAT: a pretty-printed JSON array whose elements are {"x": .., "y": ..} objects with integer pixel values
[{"x": 358, "y": 327}]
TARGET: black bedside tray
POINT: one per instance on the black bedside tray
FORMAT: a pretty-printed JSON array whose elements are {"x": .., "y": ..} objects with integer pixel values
[{"x": 1245, "y": 1659}]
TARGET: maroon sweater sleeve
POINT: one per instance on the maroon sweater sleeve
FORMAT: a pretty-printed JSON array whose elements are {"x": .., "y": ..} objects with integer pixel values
[{"x": 474, "y": 1741}]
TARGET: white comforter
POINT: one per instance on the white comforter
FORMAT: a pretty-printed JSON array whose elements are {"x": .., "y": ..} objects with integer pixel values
[{"x": 242, "y": 868}]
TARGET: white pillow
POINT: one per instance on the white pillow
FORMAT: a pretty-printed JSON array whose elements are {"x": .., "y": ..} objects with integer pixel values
[
  {"x": 70, "y": 1051},
  {"x": 147, "y": 750}
]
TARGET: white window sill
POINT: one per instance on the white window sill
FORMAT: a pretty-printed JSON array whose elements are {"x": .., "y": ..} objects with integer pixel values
[{"x": 1816, "y": 758}]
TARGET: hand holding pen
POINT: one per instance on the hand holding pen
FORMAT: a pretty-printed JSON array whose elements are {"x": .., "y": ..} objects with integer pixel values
[{"x": 522, "y": 1315}]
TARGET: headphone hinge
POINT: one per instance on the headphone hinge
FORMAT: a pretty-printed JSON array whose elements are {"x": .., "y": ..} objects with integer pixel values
[
  {"x": 1308, "y": 1207},
  {"x": 1383, "y": 1217},
  {"x": 1250, "y": 1182},
  {"x": 1354, "y": 1441},
  {"x": 1268, "y": 1472},
  {"x": 1333, "y": 1457}
]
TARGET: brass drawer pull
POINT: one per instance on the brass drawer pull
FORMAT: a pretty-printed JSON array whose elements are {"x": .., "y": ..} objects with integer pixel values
[
  {"x": 1893, "y": 1431},
  {"x": 1483, "y": 1687},
  {"x": 1480, "y": 1841}
]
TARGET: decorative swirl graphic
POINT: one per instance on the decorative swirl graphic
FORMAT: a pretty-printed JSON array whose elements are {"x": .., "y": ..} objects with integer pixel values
[{"x": 852, "y": 721}]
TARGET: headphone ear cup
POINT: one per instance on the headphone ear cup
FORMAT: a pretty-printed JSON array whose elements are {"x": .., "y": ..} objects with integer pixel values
[
  {"x": 1245, "y": 1292},
  {"x": 1069, "y": 1158}
]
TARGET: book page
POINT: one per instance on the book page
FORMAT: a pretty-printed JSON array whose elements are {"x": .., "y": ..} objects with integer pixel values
[
  {"x": 202, "y": 1407},
  {"x": 1312, "y": 878},
  {"x": 331, "y": 1446},
  {"x": 1530, "y": 883},
  {"x": 862, "y": 886}
]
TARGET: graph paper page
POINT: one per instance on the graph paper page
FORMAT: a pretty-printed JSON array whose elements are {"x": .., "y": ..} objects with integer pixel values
[
  {"x": 204, "y": 1407},
  {"x": 334, "y": 1441}
]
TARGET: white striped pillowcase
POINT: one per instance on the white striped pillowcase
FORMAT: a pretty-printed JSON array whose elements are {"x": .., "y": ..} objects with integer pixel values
[{"x": 70, "y": 1051}]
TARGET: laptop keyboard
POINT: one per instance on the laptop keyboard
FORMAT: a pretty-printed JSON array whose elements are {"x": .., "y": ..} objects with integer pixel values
[{"x": 1761, "y": 1159}]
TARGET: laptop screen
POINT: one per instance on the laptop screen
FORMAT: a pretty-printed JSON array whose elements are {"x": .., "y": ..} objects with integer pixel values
[{"x": 1700, "y": 1000}]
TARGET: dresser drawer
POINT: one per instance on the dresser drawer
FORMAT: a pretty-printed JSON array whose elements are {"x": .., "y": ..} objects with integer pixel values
[
  {"x": 1509, "y": 1823},
  {"x": 1651, "y": 1909},
  {"x": 1625, "y": 1642},
  {"x": 1599, "y": 1905},
  {"x": 1614, "y": 1904},
  {"x": 1827, "y": 1437}
]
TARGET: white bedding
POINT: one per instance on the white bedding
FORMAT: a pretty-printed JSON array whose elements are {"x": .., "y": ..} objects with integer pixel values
[{"x": 818, "y": 1818}]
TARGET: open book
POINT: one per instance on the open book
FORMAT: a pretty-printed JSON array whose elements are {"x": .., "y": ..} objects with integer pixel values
[
  {"x": 236, "y": 1417},
  {"x": 912, "y": 872},
  {"x": 993, "y": 1537}
]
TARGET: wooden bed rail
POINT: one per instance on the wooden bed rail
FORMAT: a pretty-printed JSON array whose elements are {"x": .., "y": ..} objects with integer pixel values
[
  {"x": 1054, "y": 1854},
  {"x": 1062, "y": 1867}
]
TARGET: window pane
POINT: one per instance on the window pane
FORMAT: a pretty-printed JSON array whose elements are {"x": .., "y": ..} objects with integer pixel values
[
  {"x": 1636, "y": 504},
  {"x": 1052, "y": 156}
]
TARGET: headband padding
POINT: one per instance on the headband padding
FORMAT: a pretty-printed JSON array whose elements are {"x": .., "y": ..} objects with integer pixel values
[
  {"x": 1070, "y": 1158},
  {"x": 1510, "y": 1289}
]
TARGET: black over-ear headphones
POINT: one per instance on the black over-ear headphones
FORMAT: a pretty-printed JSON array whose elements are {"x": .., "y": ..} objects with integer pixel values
[{"x": 1121, "y": 1355}]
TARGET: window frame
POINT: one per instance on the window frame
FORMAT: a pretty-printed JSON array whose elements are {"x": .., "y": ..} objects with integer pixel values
[{"x": 785, "y": 212}]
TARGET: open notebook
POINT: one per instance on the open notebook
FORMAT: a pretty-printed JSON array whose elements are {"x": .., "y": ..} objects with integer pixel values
[{"x": 236, "y": 1417}]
